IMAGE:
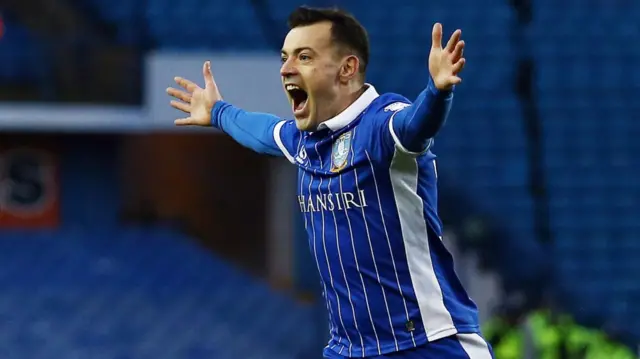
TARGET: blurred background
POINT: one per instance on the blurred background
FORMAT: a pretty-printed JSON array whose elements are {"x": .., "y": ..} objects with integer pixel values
[{"x": 122, "y": 237}]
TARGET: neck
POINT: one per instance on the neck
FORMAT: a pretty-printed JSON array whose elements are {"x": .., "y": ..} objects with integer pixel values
[{"x": 346, "y": 99}]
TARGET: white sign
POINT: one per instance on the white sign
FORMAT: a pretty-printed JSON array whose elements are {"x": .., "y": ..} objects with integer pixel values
[{"x": 249, "y": 81}]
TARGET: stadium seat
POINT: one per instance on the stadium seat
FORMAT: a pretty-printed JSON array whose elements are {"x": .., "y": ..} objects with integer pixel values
[
  {"x": 210, "y": 25},
  {"x": 20, "y": 54},
  {"x": 127, "y": 17},
  {"x": 115, "y": 295},
  {"x": 588, "y": 100}
]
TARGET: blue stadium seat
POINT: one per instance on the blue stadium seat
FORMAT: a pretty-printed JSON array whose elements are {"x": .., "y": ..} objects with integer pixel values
[
  {"x": 126, "y": 16},
  {"x": 588, "y": 89},
  {"x": 137, "y": 293},
  {"x": 20, "y": 55},
  {"x": 197, "y": 25}
]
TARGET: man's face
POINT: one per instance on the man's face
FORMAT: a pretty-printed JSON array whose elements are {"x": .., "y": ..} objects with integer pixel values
[{"x": 309, "y": 73}]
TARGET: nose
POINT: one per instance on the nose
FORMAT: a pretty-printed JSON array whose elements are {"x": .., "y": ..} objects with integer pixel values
[{"x": 288, "y": 69}]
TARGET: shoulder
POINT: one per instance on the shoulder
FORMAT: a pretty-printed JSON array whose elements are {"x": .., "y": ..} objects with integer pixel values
[
  {"x": 387, "y": 104},
  {"x": 379, "y": 112},
  {"x": 287, "y": 137},
  {"x": 373, "y": 127},
  {"x": 285, "y": 130}
]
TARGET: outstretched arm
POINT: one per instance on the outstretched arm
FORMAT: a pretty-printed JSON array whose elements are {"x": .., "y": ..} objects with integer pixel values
[
  {"x": 254, "y": 130},
  {"x": 414, "y": 126}
]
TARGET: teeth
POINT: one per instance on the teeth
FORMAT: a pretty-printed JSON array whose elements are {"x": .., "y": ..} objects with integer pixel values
[{"x": 292, "y": 87}]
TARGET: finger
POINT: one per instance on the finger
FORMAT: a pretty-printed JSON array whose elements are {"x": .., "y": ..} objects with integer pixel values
[
  {"x": 455, "y": 80},
  {"x": 436, "y": 36},
  {"x": 458, "y": 66},
  {"x": 453, "y": 40},
  {"x": 457, "y": 52},
  {"x": 184, "y": 122},
  {"x": 186, "y": 84},
  {"x": 184, "y": 107},
  {"x": 208, "y": 75},
  {"x": 180, "y": 95}
]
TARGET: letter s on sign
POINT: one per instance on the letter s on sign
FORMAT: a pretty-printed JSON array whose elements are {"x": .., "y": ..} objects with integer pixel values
[{"x": 26, "y": 176}]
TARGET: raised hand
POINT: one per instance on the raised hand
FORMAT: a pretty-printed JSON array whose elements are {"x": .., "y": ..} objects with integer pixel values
[
  {"x": 197, "y": 102},
  {"x": 446, "y": 63}
]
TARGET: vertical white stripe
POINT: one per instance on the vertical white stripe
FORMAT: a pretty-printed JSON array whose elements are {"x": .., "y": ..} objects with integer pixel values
[
  {"x": 319, "y": 156},
  {"x": 436, "y": 318},
  {"x": 313, "y": 228},
  {"x": 373, "y": 256},
  {"x": 364, "y": 291},
  {"x": 475, "y": 346},
  {"x": 315, "y": 254},
  {"x": 355, "y": 258},
  {"x": 299, "y": 143},
  {"x": 344, "y": 276},
  {"x": 313, "y": 238},
  {"x": 278, "y": 139},
  {"x": 334, "y": 328},
  {"x": 301, "y": 176},
  {"x": 386, "y": 234}
]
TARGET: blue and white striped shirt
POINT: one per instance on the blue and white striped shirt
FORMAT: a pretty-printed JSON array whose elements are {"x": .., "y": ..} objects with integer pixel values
[{"x": 367, "y": 190}]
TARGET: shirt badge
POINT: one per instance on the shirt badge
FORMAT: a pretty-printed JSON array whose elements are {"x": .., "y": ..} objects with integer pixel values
[
  {"x": 302, "y": 156},
  {"x": 340, "y": 152},
  {"x": 396, "y": 106}
]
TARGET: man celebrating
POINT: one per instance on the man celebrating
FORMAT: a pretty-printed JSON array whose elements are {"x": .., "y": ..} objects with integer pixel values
[{"x": 366, "y": 187}]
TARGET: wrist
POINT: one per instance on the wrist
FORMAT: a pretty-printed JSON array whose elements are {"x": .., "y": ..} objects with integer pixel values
[
  {"x": 216, "y": 112},
  {"x": 439, "y": 90}
]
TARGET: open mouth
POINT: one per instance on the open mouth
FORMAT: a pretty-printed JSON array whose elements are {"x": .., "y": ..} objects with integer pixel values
[{"x": 298, "y": 98}]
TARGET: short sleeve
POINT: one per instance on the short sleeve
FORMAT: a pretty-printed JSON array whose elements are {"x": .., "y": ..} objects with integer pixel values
[{"x": 288, "y": 138}]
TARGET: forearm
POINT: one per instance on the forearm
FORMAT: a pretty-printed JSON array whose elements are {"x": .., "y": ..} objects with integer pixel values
[
  {"x": 417, "y": 124},
  {"x": 253, "y": 130}
]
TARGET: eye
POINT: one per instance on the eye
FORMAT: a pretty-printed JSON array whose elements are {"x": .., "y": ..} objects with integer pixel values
[
  {"x": 304, "y": 57},
  {"x": 283, "y": 59}
]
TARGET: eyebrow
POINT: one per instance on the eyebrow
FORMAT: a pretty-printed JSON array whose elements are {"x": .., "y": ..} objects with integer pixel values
[{"x": 297, "y": 50}]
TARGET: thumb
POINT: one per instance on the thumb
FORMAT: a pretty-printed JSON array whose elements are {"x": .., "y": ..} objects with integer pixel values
[
  {"x": 185, "y": 122},
  {"x": 208, "y": 76},
  {"x": 455, "y": 80},
  {"x": 436, "y": 36}
]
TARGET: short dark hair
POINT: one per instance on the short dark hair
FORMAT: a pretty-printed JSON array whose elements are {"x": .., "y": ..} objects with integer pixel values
[{"x": 345, "y": 29}]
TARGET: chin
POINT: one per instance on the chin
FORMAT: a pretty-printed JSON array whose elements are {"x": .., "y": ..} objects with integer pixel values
[
  {"x": 304, "y": 119},
  {"x": 303, "y": 124}
]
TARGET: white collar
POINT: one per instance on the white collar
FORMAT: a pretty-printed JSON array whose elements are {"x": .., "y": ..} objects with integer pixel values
[{"x": 352, "y": 112}]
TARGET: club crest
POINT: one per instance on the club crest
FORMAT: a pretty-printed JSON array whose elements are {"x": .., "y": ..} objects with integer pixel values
[{"x": 340, "y": 152}]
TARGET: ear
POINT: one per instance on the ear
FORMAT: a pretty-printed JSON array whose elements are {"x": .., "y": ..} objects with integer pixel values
[{"x": 350, "y": 68}]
